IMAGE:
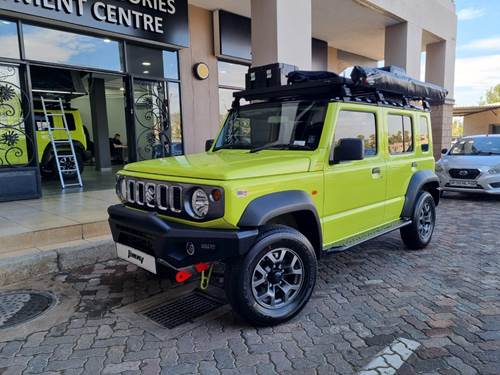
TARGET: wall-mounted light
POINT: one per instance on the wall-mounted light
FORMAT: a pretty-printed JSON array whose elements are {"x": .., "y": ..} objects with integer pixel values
[{"x": 201, "y": 71}]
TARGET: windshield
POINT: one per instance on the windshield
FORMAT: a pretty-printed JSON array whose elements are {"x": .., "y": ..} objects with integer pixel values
[
  {"x": 477, "y": 146},
  {"x": 287, "y": 125}
]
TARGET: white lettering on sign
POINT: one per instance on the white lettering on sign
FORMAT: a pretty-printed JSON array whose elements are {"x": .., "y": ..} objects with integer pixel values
[
  {"x": 113, "y": 14},
  {"x": 127, "y": 17}
]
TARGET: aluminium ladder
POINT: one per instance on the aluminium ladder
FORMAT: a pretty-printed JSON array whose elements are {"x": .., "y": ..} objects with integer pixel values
[{"x": 62, "y": 142}]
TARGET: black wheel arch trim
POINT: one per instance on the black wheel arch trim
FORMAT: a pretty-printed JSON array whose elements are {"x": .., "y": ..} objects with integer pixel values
[
  {"x": 418, "y": 182},
  {"x": 263, "y": 209}
]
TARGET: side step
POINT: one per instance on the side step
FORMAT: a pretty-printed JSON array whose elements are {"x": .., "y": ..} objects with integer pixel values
[{"x": 370, "y": 235}]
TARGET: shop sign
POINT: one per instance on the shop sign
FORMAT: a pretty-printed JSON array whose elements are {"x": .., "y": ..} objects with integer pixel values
[{"x": 164, "y": 21}]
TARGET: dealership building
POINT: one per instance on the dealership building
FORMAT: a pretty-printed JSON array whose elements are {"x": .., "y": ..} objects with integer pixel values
[{"x": 161, "y": 73}]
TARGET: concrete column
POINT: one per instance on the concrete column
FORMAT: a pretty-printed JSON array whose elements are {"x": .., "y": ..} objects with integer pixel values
[
  {"x": 403, "y": 47},
  {"x": 440, "y": 70},
  {"x": 100, "y": 124},
  {"x": 281, "y": 32}
]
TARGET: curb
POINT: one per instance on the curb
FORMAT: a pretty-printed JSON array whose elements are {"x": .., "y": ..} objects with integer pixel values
[{"x": 56, "y": 258}]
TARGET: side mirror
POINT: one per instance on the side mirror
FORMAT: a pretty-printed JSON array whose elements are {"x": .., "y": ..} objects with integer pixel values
[
  {"x": 444, "y": 151},
  {"x": 348, "y": 149},
  {"x": 208, "y": 144}
]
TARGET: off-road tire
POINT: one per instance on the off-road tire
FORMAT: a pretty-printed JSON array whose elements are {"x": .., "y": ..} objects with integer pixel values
[
  {"x": 240, "y": 273},
  {"x": 414, "y": 236}
]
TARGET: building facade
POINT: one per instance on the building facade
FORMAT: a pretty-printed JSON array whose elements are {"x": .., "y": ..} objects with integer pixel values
[{"x": 161, "y": 73}]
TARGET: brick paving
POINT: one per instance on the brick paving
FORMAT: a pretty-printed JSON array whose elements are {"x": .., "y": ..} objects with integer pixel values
[{"x": 445, "y": 298}]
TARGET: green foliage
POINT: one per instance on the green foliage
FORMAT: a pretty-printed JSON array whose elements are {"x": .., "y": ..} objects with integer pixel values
[{"x": 492, "y": 95}]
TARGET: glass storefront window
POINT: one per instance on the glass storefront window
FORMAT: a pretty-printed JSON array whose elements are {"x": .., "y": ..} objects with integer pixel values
[
  {"x": 231, "y": 79},
  {"x": 232, "y": 75},
  {"x": 61, "y": 47},
  {"x": 174, "y": 101},
  {"x": 144, "y": 61},
  {"x": 8, "y": 39},
  {"x": 170, "y": 65}
]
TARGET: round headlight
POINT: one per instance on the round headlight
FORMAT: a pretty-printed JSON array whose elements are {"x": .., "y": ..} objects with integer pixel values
[
  {"x": 199, "y": 203},
  {"x": 121, "y": 190}
]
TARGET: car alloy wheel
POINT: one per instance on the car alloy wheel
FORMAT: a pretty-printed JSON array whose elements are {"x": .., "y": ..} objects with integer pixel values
[
  {"x": 277, "y": 278},
  {"x": 425, "y": 221}
]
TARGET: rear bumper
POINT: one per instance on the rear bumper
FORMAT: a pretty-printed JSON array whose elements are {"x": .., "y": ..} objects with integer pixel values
[{"x": 176, "y": 245}]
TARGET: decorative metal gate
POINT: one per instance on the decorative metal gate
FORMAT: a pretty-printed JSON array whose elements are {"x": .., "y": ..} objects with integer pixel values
[
  {"x": 152, "y": 124},
  {"x": 15, "y": 143}
]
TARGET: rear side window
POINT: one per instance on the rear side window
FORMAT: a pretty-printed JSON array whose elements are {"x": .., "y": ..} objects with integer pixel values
[
  {"x": 424, "y": 134},
  {"x": 400, "y": 133},
  {"x": 70, "y": 120},
  {"x": 353, "y": 124}
]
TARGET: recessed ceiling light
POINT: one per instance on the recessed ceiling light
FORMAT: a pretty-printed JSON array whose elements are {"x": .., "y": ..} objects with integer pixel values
[
  {"x": 107, "y": 40},
  {"x": 6, "y": 22},
  {"x": 122, "y": 89},
  {"x": 146, "y": 63},
  {"x": 146, "y": 72}
]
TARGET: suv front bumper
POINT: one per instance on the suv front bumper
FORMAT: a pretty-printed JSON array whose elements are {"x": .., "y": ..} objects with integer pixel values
[
  {"x": 176, "y": 245},
  {"x": 485, "y": 183}
]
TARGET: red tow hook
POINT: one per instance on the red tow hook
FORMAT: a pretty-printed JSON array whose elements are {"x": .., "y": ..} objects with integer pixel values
[
  {"x": 182, "y": 276},
  {"x": 185, "y": 274}
]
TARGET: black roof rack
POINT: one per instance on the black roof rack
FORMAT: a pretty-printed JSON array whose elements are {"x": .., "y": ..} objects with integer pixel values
[{"x": 385, "y": 86}]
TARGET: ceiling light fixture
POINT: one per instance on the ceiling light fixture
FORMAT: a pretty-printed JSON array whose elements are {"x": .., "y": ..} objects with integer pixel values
[{"x": 146, "y": 63}]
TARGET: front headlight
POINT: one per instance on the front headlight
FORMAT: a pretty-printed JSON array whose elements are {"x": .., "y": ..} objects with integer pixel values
[
  {"x": 495, "y": 170},
  {"x": 199, "y": 203},
  {"x": 121, "y": 190}
]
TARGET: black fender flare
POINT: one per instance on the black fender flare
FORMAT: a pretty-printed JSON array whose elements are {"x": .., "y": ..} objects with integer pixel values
[
  {"x": 265, "y": 208},
  {"x": 421, "y": 180}
]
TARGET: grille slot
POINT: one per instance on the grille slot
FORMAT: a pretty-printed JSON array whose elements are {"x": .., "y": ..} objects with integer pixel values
[
  {"x": 183, "y": 310},
  {"x": 464, "y": 174},
  {"x": 176, "y": 198}
]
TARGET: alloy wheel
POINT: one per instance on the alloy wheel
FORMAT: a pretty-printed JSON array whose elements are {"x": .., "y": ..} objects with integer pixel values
[
  {"x": 425, "y": 224},
  {"x": 277, "y": 278}
]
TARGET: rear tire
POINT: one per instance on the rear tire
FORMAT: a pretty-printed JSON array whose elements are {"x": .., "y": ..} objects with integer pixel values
[
  {"x": 418, "y": 234},
  {"x": 275, "y": 279}
]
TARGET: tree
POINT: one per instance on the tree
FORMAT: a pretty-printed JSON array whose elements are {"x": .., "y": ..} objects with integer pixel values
[{"x": 492, "y": 95}]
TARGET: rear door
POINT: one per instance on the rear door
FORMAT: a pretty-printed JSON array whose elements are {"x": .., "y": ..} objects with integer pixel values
[
  {"x": 355, "y": 190},
  {"x": 402, "y": 161}
]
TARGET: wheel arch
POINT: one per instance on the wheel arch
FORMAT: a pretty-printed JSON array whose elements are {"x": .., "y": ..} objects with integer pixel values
[
  {"x": 47, "y": 153},
  {"x": 421, "y": 181},
  {"x": 294, "y": 208}
]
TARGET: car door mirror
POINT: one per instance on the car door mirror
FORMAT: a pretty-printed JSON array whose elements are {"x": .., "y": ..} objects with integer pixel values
[
  {"x": 348, "y": 149},
  {"x": 208, "y": 144},
  {"x": 444, "y": 151}
]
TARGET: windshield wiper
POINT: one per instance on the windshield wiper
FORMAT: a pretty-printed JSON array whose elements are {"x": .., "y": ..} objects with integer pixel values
[{"x": 270, "y": 145}]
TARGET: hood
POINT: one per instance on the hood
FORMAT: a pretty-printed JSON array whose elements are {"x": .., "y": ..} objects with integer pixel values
[
  {"x": 225, "y": 165},
  {"x": 470, "y": 161}
]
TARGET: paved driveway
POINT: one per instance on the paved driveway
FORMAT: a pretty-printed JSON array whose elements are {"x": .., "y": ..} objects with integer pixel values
[{"x": 446, "y": 299}]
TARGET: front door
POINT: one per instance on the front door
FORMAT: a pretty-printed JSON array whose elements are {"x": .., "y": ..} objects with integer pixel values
[
  {"x": 151, "y": 117},
  {"x": 355, "y": 190}
]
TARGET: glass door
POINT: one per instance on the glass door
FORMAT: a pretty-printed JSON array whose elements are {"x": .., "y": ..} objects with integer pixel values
[{"x": 151, "y": 118}]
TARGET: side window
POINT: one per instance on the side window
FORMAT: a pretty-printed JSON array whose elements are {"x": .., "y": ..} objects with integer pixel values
[
  {"x": 363, "y": 125},
  {"x": 41, "y": 124},
  {"x": 400, "y": 133},
  {"x": 424, "y": 134},
  {"x": 70, "y": 120}
]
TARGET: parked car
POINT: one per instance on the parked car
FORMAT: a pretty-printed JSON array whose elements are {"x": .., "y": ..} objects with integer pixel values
[
  {"x": 307, "y": 169},
  {"x": 472, "y": 165}
]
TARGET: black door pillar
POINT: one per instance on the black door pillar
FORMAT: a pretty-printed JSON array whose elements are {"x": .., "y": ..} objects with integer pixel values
[{"x": 100, "y": 124}]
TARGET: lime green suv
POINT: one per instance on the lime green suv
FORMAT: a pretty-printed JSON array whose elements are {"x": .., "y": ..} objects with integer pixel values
[{"x": 299, "y": 173}]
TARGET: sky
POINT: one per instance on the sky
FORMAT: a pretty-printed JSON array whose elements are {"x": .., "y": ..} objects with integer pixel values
[{"x": 478, "y": 49}]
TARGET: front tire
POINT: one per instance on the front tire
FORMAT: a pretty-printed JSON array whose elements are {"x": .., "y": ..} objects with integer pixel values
[
  {"x": 418, "y": 234},
  {"x": 275, "y": 279}
]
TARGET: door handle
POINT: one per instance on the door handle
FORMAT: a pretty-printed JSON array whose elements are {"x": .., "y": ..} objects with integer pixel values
[
  {"x": 414, "y": 164},
  {"x": 376, "y": 170}
]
